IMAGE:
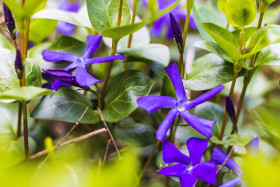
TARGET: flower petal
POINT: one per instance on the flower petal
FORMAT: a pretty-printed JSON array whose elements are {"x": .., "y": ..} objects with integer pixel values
[
  {"x": 52, "y": 56},
  {"x": 187, "y": 180},
  {"x": 152, "y": 103},
  {"x": 196, "y": 147},
  {"x": 203, "y": 126},
  {"x": 173, "y": 171},
  {"x": 171, "y": 154},
  {"x": 58, "y": 84},
  {"x": 232, "y": 183},
  {"x": 219, "y": 157},
  {"x": 166, "y": 123},
  {"x": 93, "y": 41},
  {"x": 83, "y": 78},
  {"x": 204, "y": 97},
  {"x": 253, "y": 146},
  {"x": 65, "y": 28},
  {"x": 175, "y": 77},
  {"x": 104, "y": 59},
  {"x": 157, "y": 27},
  {"x": 206, "y": 171},
  {"x": 61, "y": 74}
]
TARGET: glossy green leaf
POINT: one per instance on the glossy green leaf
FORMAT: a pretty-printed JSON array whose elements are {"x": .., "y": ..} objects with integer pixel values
[
  {"x": 103, "y": 14},
  {"x": 122, "y": 92},
  {"x": 8, "y": 76},
  {"x": 24, "y": 94},
  {"x": 232, "y": 140},
  {"x": 208, "y": 72},
  {"x": 151, "y": 52},
  {"x": 135, "y": 134},
  {"x": 240, "y": 12},
  {"x": 66, "y": 105},
  {"x": 248, "y": 32},
  {"x": 269, "y": 56},
  {"x": 222, "y": 5},
  {"x": 33, "y": 74},
  {"x": 224, "y": 39},
  {"x": 214, "y": 112},
  {"x": 4, "y": 43},
  {"x": 40, "y": 29},
  {"x": 79, "y": 19},
  {"x": 262, "y": 38}
]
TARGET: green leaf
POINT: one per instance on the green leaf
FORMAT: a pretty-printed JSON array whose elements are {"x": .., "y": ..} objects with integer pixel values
[
  {"x": 151, "y": 52},
  {"x": 153, "y": 7},
  {"x": 214, "y": 112},
  {"x": 222, "y": 5},
  {"x": 4, "y": 43},
  {"x": 103, "y": 14},
  {"x": 66, "y": 105},
  {"x": 122, "y": 92},
  {"x": 79, "y": 19},
  {"x": 119, "y": 32},
  {"x": 264, "y": 37},
  {"x": 224, "y": 39},
  {"x": 135, "y": 134},
  {"x": 8, "y": 76},
  {"x": 248, "y": 32},
  {"x": 40, "y": 29},
  {"x": 268, "y": 2},
  {"x": 232, "y": 140},
  {"x": 33, "y": 74},
  {"x": 269, "y": 56},
  {"x": 35, "y": 53},
  {"x": 208, "y": 72},
  {"x": 24, "y": 94},
  {"x": 240, "y": 12}
]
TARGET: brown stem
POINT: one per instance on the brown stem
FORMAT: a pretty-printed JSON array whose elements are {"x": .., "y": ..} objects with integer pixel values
[
  {"x": 226, "y": 160},
  {"x": 19, "y": 119},
  {"x": 25, "y": 130},
  {"x": 120, "y": 13},
  {"x": 109, "y": 132},
  {"x": 26, "y": 36},
  {"x": 106, "y": 152},
  {"x": 74, "y": 140}
]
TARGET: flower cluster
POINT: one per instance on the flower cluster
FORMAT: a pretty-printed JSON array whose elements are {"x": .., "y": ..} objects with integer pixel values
[{"x": 82, "y": 78}]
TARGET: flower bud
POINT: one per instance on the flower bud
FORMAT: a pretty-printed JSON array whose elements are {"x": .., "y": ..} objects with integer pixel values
[
  {"x": 18, "y": 65},
  {"x": 177, "y": 33},
  {"x": 230, "y": 109},
  {"x": 9, "y": 20}
]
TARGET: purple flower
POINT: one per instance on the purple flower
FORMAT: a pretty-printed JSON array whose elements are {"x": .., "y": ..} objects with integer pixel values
[
  {"x": 165, "y": 20},
  {"x": 176, "y": 32},
  {"x": 179, "y": 106},
  {"x": 58, "y": 78},
  {"x": 230, "y": 109},
  {"x": 64, "y": 27},
  {"x": 188, "y": 168},
  {"x": 18, "y": 65},
  {"x": 9, "y": 19},
  {"x": 83, "y": 78}
]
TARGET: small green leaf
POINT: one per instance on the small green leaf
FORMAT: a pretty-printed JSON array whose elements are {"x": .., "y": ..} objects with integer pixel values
[
  {"x": 122, "y": 92},
  {"x": 240, "y": 12},
  {"x": 103, "y": 14},
  {"x": 224, "y": 39},
  {"x": 151, "y": 52},
  {"x": 268, "y": 2},
  {"x": 222, "y": 5},
  {"x": 24, "y": 94},
  {"x": 79, "y": 19},
  {"x": 214, "y": 112},
  {"x": 153, "y": 7},
  {"x": 33, "y": 74},
  {"x": 4, "y": 43},
  {"x": 248, "y": 32},
  {"x": 269, "y": 56},
  {"x": 208, "y": 72},
  {"x": 232, "y": 140},
  {"x": 66, "y": 105},
  {"x": 135, "y": 134},
  {"x": 8, "y": 76}
]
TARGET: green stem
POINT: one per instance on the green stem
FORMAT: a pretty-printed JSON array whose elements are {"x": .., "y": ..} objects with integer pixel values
[
  {"x": 19, "y": 119},
  {"x": 227, "y": 25},
  {"x": 147, "y": 164},
  {"x": 25, "y": 130}
]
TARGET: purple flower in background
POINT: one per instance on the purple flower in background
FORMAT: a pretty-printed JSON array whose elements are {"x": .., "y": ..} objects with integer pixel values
[
  {"x": 219, "y": 157},
  {"x": 9, "y": 19},
  {"x": 165, "y": 20},
  {"x": 82, "y": 77},
  {"x": 64, "y": 27},
  {"x": 179, "y": 106},
  {"x": 188, "y": 168}
]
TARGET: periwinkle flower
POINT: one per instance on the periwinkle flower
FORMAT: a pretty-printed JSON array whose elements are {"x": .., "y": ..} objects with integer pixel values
[
  {"x": 18, "y": 65},
  {"x": 82, "y": 77},
  {"x": 188, "y": 168},
  {"x": 9, "y": 19},
  {"x": 165, "y": 20},
  {"x": 179, "y": 106},
  {"x": 64, "y": 27},
  {"x": 219, "y": 157},
  {"x": 176, "y": 32},
  {"x": 230, "y": 109}
]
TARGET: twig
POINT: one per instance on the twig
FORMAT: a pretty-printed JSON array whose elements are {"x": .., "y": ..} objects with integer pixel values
[
  {"x": 106, "y": 152},
  {"x": 109, "y": 132},
  {"x": 225, "y": 162},
  {"x": 74, "y": 140}
]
